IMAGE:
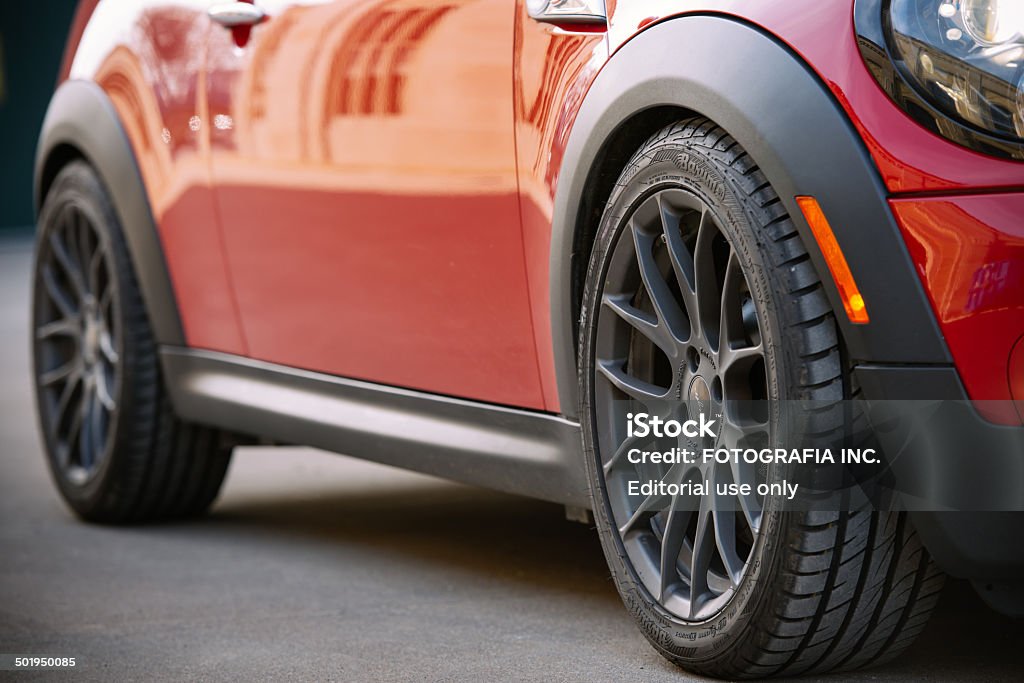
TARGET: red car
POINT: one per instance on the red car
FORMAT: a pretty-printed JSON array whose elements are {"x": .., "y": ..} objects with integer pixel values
[{"x": 458, "y": 236}]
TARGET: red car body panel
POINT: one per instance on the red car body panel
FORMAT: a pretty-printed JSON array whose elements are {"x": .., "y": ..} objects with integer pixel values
[
  {"x": 909, "y": 157},
  {"x": 553, "y": 71},
  {"x": 369, "y": 208},
  {"x": 364, "y": 188},
  {"x": 969, "y": 252},
  {"x": 149, "y": 62}
]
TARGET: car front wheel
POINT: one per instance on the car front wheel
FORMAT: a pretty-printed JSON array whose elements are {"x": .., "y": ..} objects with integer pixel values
[{"x": 699, "y": 288}]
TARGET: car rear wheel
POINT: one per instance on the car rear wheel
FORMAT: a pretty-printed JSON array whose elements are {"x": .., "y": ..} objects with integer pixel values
[
  {"x": 699, "y": 288},
  {"x": 115, "y": 449}
]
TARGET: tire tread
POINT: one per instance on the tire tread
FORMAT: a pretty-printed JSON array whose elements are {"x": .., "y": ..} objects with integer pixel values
[{"x": 852, "y": 588}]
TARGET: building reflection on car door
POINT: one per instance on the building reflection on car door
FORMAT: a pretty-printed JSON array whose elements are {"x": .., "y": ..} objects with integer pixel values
[{"x": 363, "y": 158}]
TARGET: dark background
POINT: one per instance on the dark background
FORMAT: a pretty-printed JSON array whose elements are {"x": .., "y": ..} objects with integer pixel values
[{"x": 32, "y": 35}]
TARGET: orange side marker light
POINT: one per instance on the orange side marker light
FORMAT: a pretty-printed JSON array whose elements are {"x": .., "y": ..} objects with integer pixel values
[{"x": 853, "y": 301}]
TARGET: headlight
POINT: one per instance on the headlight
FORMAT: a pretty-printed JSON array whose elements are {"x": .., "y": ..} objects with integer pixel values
[
  {"x": 957, "y": 66},
  {"x": 990, "y": 22}
]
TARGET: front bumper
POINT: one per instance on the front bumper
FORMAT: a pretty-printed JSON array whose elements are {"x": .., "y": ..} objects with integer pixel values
[
  {"x": 975, "y": 467},
  {"x": 969, "y": 254}
]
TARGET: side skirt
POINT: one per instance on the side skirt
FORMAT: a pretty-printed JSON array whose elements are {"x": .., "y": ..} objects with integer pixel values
[{"x": 511, "y": 450}]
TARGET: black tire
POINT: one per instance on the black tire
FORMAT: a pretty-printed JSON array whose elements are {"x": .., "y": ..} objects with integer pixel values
[
  {"x": 819, "y": 591},
  {"x": 115, "y": 449}
]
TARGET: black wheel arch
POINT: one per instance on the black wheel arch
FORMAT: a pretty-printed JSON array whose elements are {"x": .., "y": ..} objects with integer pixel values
[
  {"x": 796, "y": 132},
  {"x": 82, "y": 123}
]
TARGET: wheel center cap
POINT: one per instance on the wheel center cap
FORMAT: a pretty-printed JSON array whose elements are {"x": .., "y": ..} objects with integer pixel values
[{"x": 699, "y": 395}]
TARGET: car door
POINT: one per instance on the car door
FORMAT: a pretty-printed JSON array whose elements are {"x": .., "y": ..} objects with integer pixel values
[{"x": 363, "y": 160}]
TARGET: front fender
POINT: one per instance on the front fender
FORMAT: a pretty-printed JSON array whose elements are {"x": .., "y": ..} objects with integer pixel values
[{"x": 773, "y": 104}]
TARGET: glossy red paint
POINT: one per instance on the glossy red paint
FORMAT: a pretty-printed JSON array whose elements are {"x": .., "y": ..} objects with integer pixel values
[
  {"x": 149, "y": 61},
  {"x": 909, "y": 157},
  {"x": 969, "y": 252},
  {"x": 370, "y": 207},
  {"x": 365, "y": 187},
  {"x": 554, "y": 67}
]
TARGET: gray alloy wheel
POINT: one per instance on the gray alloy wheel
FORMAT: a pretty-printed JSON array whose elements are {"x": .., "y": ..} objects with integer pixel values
[
  {"x": 678, "y": 322},
  {"x": 116, "y": 451},
  {"x": 701, "y": 296},
  {"x": 78, "y": 343}
]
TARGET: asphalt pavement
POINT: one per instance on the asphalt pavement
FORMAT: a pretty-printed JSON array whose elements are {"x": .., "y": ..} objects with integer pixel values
[{"x": 314, "y": 566}]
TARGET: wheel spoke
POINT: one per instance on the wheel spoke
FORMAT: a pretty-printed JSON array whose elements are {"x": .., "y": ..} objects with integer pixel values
[
  {"x": 64, "y": 401},
  {"x": 665, "y": 305},
  {"x": 78, "y": 423},
  {"x": 629, "y": 385},
  {"x": 708, "y": 299},
  {"x": 68, "y": 264},
  {"x": 96, "y": 430},
  {"x": 682, "y": 261},
  {"x": 731, "y": 315},
  {"x": 104, "y": 302},
  {"x": 91, "y": 439},
  {"x": 83, "y": 232},
  {"x": 648, "y": 506},
  {"x": 742, "y": 473},
  {"x": 107, "y": 347},
  {"x": 679, "y": 516},
  {"x": 74, "y": 431},
  {"x": 724, "y": 520},
  {"x": 85, "y": 434},
  {"x": 731, "y": 349},
  {"x": 103, "y": 393},
  {"x": 679, "y": 254},
  {"x": 60, "y": 373},
  {"x": 743, "y": 356},
  {"x": 673, "y": 476},
  {"x": 94, "y": 271},
  {"x": 57, "y": 295},
  {"x": 64, "y": 327},
  {"x": 749, "y": 503},
  {"x": 620, "y": 452},
  {"x": 703, "y": 551},
  {"x": 642, "y": 322}
]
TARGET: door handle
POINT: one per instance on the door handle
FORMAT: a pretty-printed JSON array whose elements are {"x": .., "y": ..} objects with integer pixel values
[
  {"x": 568, "y": 11},
  {"x": 234, "y": 14}
]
